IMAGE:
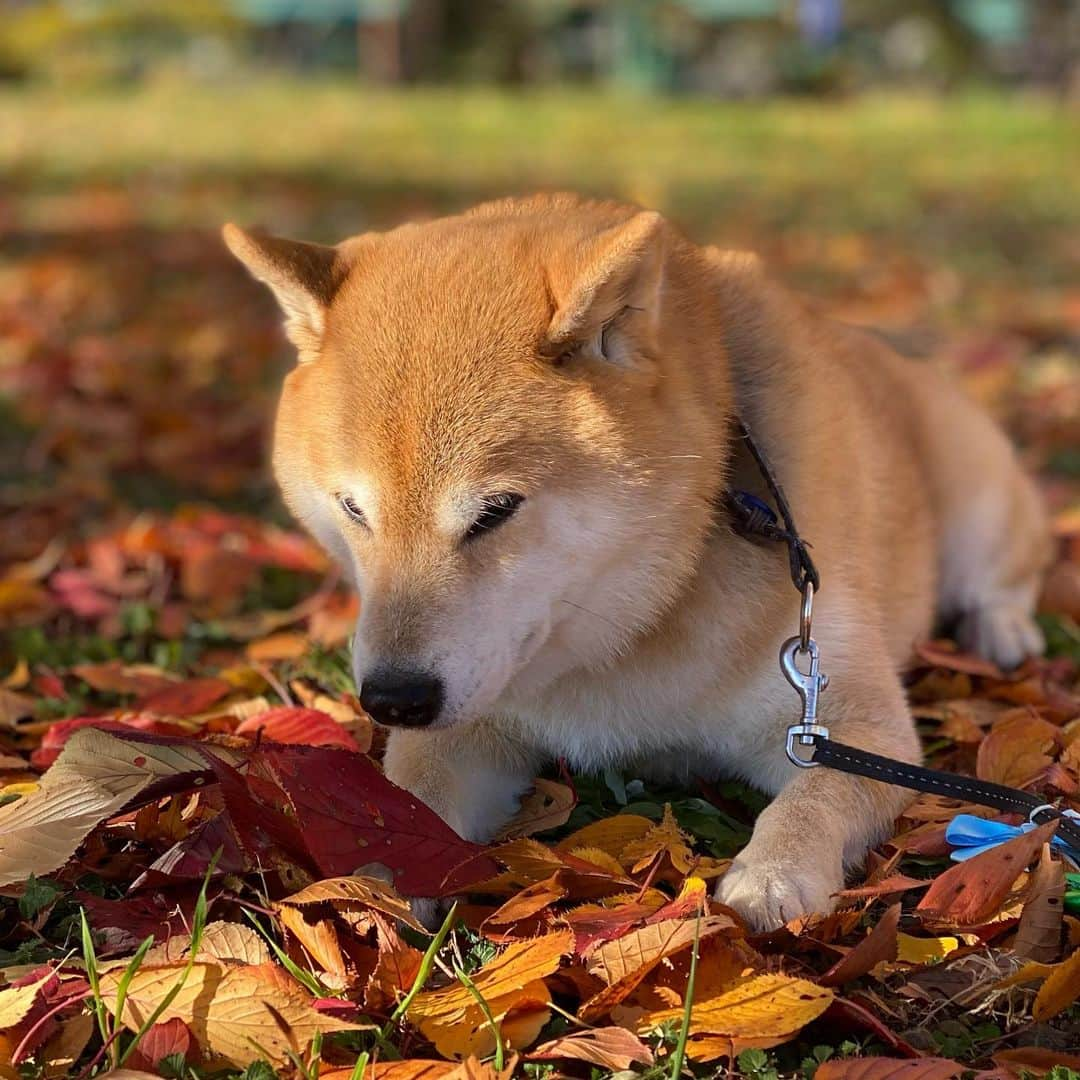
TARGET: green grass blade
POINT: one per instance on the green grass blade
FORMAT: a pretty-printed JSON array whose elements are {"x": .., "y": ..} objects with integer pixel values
[
  {"x": 688, "y": 1005},
  {"x": 488, "y": 1015}
]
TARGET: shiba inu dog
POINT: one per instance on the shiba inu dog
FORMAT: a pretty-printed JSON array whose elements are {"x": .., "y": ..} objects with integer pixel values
[{"x": 514, "y": 427}]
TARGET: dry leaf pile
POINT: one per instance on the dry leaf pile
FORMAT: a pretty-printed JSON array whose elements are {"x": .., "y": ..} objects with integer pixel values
[{"x": 183, "y": 762}]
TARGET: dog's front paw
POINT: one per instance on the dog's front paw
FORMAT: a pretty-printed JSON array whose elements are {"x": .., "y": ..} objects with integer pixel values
[{"x": 770, "y": 892}]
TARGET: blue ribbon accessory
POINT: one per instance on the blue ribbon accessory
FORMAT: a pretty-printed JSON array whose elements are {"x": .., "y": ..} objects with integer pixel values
[{"x": 970, "y": 835}]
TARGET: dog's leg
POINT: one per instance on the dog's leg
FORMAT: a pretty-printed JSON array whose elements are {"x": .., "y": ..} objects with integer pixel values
[
  {"x": 472, "y": 775},
  {"x": 822, "y": 821}
]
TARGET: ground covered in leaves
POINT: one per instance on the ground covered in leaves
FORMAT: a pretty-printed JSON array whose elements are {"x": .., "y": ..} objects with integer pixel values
[{"x": 196, "y": 842}]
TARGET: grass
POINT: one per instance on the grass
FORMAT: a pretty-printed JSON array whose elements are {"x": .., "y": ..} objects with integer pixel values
[{"x": 923, "y": 169}]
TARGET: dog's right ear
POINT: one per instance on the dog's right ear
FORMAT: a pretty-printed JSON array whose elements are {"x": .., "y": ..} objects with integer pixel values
[{"x": 303, "y": 277}]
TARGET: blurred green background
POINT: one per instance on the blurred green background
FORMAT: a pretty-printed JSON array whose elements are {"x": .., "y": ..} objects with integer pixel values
[{"x": 913, "y": 165}]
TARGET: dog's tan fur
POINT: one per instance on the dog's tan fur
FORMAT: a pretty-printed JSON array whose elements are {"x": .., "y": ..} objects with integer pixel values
[{"x": 587, "y": 356}]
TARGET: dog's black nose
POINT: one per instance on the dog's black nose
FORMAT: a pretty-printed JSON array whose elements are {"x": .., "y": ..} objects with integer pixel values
[{"x": 399, "y": 698}]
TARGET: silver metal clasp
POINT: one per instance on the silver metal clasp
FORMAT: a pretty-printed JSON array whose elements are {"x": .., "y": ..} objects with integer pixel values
[{"x": 808, "y": 684}]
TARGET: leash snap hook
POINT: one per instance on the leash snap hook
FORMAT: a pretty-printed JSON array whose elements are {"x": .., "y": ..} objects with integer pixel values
[{"x": 808, "y": 685}]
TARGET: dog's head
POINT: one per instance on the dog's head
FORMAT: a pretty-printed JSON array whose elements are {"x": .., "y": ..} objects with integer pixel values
[{"x": 501, "y": 427}]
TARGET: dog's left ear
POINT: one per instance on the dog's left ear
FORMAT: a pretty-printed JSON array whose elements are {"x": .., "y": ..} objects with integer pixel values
[
  {"x": 303, "y": 277},
  {"x": 621, "y": 272}
]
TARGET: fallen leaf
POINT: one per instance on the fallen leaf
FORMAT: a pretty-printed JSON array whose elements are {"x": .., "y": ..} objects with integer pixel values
[
  {"x": 412, "y": 1069},
  {"x": 880, "y": 1068},
  {"x": 354, "y": 891},
  {"x": 1017, "y": 750},
  {"x": 878, "y": 946},
  {"x": 971, "y": 892},
  {"x": 763, "y": 1006},
  {"x": 1061, "y": 989},
  {"x": 610, "y": 835},
  {"x": 17, "y": 1001},
  {"x": 231, "y": 1011},
  {"x": 1038, "y": 936},
  {"x": 547, "y": 806},
  {"x": 293, "y": 724},
  {"x": 918, "y": 950},
  {"x": 286, "y": 645},
  {"x": 612, "y": 1048},
  {"x": 349, "y": 815},
  {"x": 186, "y": 698},
  {"x": 162, "y": 1040},
  {"x": 451, "y": 1017},
  {"x": 95, "y": 777},
  {"x": 1035, "y": 1059},
  {"x": 943, "y": 654},
  {"x": 665, "y": 838}
]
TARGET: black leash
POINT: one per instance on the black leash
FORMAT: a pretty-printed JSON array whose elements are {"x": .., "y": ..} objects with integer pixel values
[{"x": 752, "y": 517}]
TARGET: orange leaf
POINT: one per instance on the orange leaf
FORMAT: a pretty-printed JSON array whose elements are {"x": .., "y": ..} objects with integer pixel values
[
  {"x": 413, "y": 1069},
  {"x": 285, "y": 645},
  {"x": 971, "y": 892},
  {"x": 453, "y": 1020},
  {"x": 530, "y": 901},
  {"x": 763, "y": 1006}
]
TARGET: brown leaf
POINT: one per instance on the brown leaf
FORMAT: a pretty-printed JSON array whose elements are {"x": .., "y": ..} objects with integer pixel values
[
  {"x": 943, "y": 654},
  {"x": 1038, "y": 937},
  {"x": 879, "y": 1068},
  {"x": 609, "y": 1047},
  {"x": 413, "y": 1069},
  {"x": 546, "y": 806},
  {"x": 971, "y": 892},
  {"x": 878, "y": 946},
  {"x": 1018, "y": 749},
  {"x": 1035, "y": 1059}
]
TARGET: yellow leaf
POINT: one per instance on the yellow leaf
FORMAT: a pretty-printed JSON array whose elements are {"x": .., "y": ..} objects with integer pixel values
[
  {"x": 17, "y": 1001},
  {"x": 665, "y": 838},
  {"x": 1061, "y": 989},
  {"x": 644, "y": 947},
  {"x": 598, "y": 857},
  {"x": 367, "y": 892},
  {"x": 220, "y": 941},
  {"x": 609, "y": 834},
  {"x": 764, "y": 1006},
  {"x": 453, "y": 1020},
  {"x": 231, "y": 1011},
  {"x": 915, "y": 950}
]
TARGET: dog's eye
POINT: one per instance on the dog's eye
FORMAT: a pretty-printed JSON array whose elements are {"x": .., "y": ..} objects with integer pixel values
[
  {"x": 497, "y": 509},
  {"x": 349, "y": 506}
]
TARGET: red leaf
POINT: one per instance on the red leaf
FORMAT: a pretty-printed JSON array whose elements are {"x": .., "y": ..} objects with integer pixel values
[
  {"x": 164, "y": 1038},
  {"x": 350, "y": 815},
  {"x": 186, "y": 698},
  {"x": 308, "y": 727}
]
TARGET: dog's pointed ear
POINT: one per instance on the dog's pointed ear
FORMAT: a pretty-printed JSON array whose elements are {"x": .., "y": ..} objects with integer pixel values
[
  {"x": 303, "y": 277},
  {"x": 622, "y": 271}
]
